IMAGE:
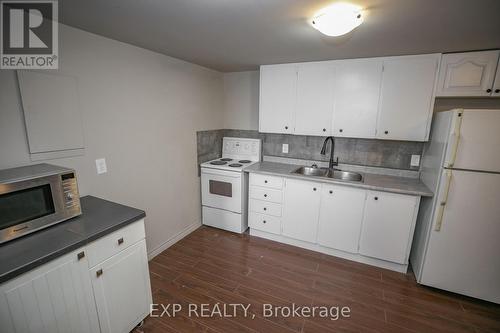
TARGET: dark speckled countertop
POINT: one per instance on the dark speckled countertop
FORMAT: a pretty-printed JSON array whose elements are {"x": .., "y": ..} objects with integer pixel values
[
  {"x": 402, "y": 185},
  {"x": 99, "y": 217}
]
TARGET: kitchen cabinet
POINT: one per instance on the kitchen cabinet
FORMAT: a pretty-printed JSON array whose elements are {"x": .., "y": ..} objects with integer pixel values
[
  {"x": 314, "y": 107},
  {"x": 388, "y": 224},
  {"x": 278, "y": 93},
  {"x": 340, "y": 217},
  {"x": 55, "y": 297},
  {"x": 469, "y": 74},
  {"x": 357, "y": 92},
  {"x": 301, "y": 209},
  {"x": 407, "y": 97},
  {"x": 122, "y": 289}
]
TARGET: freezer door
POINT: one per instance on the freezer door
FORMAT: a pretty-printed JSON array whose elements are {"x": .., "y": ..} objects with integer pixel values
[
  {"x": 474, "y": 143},
  {"x": 462, "y": 254}
]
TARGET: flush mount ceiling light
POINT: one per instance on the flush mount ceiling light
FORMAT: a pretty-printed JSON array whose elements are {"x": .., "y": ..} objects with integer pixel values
[{"x": 337, "y": 19}]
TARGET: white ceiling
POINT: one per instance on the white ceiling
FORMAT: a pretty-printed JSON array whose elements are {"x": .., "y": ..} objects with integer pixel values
[{"x": 237, "y": 35}]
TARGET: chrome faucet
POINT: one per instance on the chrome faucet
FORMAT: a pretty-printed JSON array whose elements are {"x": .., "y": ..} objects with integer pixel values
[{"x": 323, "y": 152}]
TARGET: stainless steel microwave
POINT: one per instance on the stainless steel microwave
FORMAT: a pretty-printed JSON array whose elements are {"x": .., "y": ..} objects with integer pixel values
[{"x": 35, "y": 197}]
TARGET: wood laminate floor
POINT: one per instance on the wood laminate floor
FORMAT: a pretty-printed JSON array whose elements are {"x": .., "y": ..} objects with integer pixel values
[{"x": 211, "y": 266}]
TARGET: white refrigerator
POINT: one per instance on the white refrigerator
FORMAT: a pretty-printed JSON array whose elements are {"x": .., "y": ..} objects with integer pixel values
[{"x": 457, "y": 238}]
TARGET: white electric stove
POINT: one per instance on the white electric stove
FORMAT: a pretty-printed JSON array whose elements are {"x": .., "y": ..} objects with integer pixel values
[{"x": 224, "y": 184}]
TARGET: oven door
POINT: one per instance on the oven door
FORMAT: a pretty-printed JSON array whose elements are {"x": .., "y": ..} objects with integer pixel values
[
  {"x": 29, "y": 205},
  {"x": 221, "y": 189}
]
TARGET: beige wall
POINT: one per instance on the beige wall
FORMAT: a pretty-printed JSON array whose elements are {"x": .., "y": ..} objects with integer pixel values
[
  {"x": 140, "y": 111},
  {"x": 241, "y": 100}
]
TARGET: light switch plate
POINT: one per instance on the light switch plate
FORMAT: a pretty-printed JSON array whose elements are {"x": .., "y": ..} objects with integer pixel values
[
  {"x": 415, "y": 160},
  {"x": 100, "y": 165},
  {"x": 284, "y": 148}
]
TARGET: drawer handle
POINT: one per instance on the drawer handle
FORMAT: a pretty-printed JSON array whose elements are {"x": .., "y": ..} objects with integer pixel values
[
  {"x": 265, "y": 181},
  {"x": 98, "y": 273},
  {"x": 264, "y": 221},
  {"x": 376, "y": 198},
  {"x": 265, "y": 208},
  {"x": 120, "y": 241},
  {"x": 314, "y": 188},
  {"x": 331, "y": 192},
  {"x": 80, "y": 255},
  {"x": 265, "y": 195}
]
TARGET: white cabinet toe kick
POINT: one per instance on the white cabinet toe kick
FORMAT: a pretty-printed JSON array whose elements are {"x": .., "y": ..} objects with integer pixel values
[{"x": 370, "y": 227}]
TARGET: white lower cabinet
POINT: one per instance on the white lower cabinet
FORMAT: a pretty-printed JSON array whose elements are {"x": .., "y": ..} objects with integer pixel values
[
  {"x": 301, "y": 209},
  {"x": 353, "y": 223},
  {"x": 122, "y": 289},
  {"x": 55, "y": 297},
  {"x": 340, "y": 217},
  {"x": 388, "y": 224},
  {"x": 64, "y": 296}
]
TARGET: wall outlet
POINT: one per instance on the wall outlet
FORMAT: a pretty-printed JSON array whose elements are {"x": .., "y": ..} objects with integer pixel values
[
  {"x": 284, "y": 148},
  {"x": 100, "y": 165},
  {"x": 415, "y": 160}
]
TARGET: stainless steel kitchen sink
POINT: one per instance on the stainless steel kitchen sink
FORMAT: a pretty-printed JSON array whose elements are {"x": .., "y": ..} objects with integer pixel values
[{"x": 314, "y": 171}]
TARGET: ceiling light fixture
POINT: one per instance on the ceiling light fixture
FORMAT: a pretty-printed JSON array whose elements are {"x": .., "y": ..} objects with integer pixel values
[{"x": 337, "y": 19}]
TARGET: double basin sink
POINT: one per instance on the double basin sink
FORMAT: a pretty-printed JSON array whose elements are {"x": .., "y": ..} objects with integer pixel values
[{"x": 314, "y": 171}]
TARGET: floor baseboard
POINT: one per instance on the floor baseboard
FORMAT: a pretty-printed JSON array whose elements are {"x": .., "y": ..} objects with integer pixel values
[{"x": 174, "y": 239}]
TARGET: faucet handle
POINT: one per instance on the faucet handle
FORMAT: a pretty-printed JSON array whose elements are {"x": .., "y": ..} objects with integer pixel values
[{"x": 314, "y": 166}]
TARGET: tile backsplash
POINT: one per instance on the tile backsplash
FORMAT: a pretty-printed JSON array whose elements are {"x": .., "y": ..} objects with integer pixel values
[{"x": 366, "y": 152}]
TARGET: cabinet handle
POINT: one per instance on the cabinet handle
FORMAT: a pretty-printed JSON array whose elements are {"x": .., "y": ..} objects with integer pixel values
[
  {"x": 497, "y": 91},
  {"x": 341, "y": 130},
  {"x": 265, "y": 181},
  {"x": 98, "y": 273},
  {"x": 488, "y": 90},
  {"x": 264, "y": 221},
  {"x": 120, "y": 241},
  {"x": 265, "y": 208},
  {"x": 80, "y": 255},
  {"x": 265, "y": 195},
  {"x": 286, "y": 127},
  {"x": 314, "y": 188},
  {"x": 324, "y": 129},
  {"x": 376, "y": 198},
  {"x": 331, "y": 192},
  {"x": 386, "y": 132}
]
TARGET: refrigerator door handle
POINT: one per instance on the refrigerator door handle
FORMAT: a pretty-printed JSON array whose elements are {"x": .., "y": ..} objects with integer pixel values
[
  {"x": 442, "y": 203},
  {"x": 456, "y": 140}
]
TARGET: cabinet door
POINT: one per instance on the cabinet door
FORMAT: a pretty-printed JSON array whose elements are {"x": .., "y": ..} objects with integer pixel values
[
  {"x": 340, "y": 217},
  {"x": 122, "y": 289},
  {"x": 388, "y": 223},
  {"x": 278, "y": 95},
  {"x": 407, "y": 97},
  {"x": 301, "y": 209},
  {"x": 55, "y": 297},
  {"x": 314, "y": 99},
  {"x": 357, "y": 92},
  {"x": 467, "y": 74},
  {"x": 496, "y": 85}
]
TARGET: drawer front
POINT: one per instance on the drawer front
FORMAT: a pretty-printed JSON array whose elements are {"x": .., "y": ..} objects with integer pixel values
[
  {"x": 265, "y": 207},
  {"x": 265, "y": 223},
  {"x": 109, "y": 245},
  {"x": 266, "y": 181},
  {"x": 266, "y": 194}
]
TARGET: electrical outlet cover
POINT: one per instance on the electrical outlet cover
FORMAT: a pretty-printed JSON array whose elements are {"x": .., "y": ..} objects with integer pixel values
[
  {"x": 415, "y": 160},
  {"x": 285, "y": 148},
  {"x": 100, "y": 165}
]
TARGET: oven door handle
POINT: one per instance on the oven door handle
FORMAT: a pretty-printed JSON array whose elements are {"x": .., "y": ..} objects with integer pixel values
[{"x": 224, "y": 173}]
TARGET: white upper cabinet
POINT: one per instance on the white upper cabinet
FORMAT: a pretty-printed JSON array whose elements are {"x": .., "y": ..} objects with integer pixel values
[
  {"x": 301, "y": 209},
  {"x": 407, "y": 97},
  {"x": 469, "y": 74},
  {"x": 278, "y": 93},
  {"x": 388, "y": 224},
  {"x": 357, "y": 91},
  {"x": 340, "y": 217},
  {"x": 314, "y": 98}
]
